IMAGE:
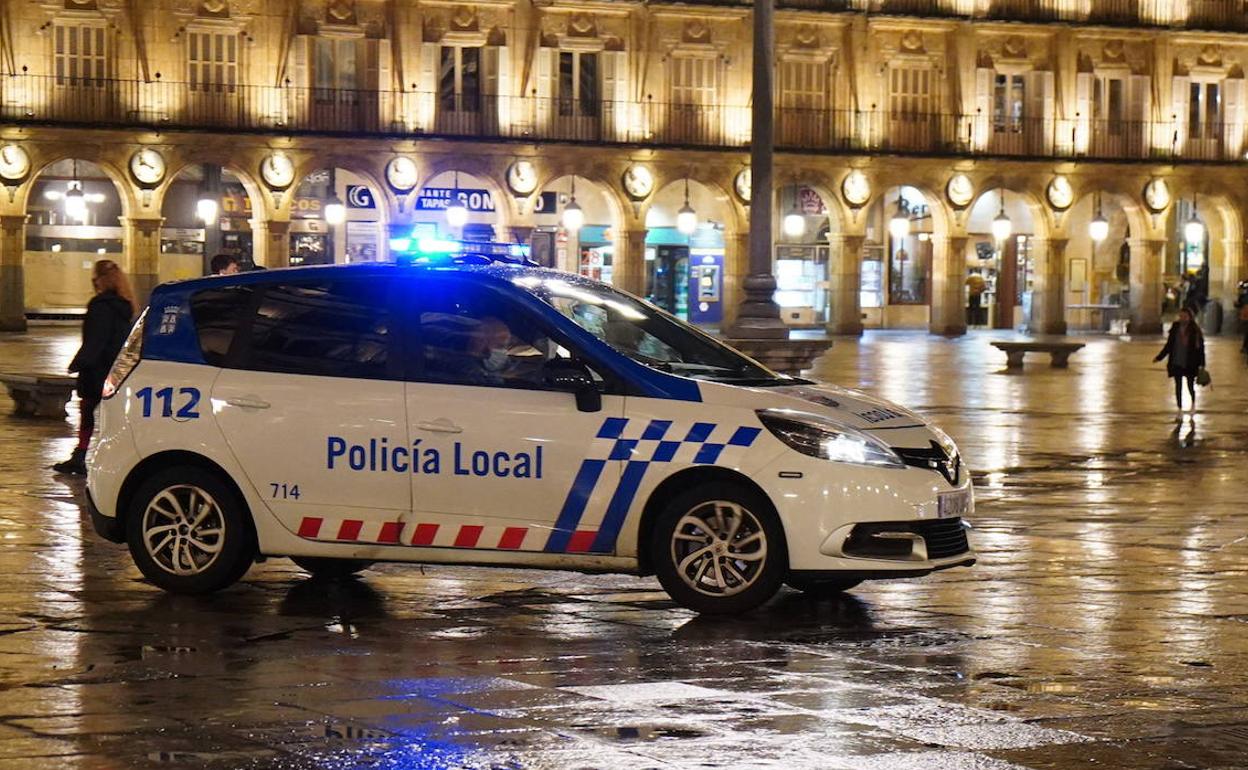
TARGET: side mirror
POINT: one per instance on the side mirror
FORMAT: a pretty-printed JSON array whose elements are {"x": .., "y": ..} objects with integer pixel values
[{"x": 574, "y": 377}]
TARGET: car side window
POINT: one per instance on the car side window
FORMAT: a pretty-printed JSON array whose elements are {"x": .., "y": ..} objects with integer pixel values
[
  {"x": 324, "y": 328},
  {"x": 218, "y": 314},
  {"x": 469, "y": 335}
]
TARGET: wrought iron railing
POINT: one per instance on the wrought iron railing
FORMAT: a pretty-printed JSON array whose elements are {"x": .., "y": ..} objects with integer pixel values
[
  {"x": 28, "y": 99},
  {"x": 1218, "y": 15}
]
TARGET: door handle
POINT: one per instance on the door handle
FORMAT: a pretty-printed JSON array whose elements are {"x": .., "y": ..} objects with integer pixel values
[
  {"x": 248, "y": 402},
  {"x": 440, "y": 425}
]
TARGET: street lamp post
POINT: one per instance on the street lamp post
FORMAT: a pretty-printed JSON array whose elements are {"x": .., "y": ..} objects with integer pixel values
[{"x": 759, "y": 315}]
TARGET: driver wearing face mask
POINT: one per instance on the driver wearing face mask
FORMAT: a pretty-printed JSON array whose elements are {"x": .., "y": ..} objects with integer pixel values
[{"x": 489, "y": 347}]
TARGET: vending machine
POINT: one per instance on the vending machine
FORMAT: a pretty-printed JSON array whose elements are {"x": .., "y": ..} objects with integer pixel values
[{"x": 706, "y": 286}]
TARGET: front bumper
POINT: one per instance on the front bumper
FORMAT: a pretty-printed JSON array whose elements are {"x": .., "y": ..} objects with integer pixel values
[{"x": 107, "y": 527}]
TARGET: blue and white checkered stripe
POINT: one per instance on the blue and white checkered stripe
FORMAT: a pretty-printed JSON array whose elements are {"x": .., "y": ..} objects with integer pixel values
[{"x": 638, "y": 444}]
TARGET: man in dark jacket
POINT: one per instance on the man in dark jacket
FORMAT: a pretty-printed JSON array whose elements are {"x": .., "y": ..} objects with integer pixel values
[{"x": 104, "y": 331}]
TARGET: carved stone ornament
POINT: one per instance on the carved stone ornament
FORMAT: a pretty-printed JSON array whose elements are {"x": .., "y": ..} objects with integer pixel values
[
  {"x": 80, "y": 5},
  {"x": 340, "y": 11},
  {"x": 582, "y": 25},
  {"x": 807, "y": 36},
  {"x": 912, "y": 41},
  {"x": 1114, "y": 51},
  {"x": 1210, "y": 55},
  {"x": 214, "y": 8},
  {"x": 1015, "y": 47},
  {"x": 696, "y": 31},
  {"x": 464, "y": 19}
]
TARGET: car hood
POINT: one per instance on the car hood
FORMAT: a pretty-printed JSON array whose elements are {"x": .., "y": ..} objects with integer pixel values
[{"x": 853, "y": 409}]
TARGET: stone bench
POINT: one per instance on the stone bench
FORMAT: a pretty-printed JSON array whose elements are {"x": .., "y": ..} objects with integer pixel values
[
  {"x": 39, "y": 395},
  {"x": 1059, "y": 352}
]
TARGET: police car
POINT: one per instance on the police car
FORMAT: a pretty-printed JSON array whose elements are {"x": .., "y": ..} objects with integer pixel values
[{"x": 476, "y": 412}]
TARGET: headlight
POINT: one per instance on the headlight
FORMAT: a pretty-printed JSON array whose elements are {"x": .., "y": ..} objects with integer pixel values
[{"x": 813, "y": 436}]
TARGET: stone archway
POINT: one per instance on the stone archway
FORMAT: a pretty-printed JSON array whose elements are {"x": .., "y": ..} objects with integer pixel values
[
  {"x": 76, "y": 212},
  {"x": 337, "y": 216},
  {"x": 595, "y": 247},
  {"x": 689, "y": 250},
  {"x": 207, "y": 208},
  {"x": 1022, "y": 278}
]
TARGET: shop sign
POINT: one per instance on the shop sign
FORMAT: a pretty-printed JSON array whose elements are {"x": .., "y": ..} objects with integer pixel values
[
  {"x": 438, "y": 198},
  {"x": 546, "y": 203},
  {"x": 360, "y": 197},
  {"x": 810, "y": 202}
]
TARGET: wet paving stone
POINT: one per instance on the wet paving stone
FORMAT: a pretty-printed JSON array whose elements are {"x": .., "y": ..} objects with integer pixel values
[{"x": 1104, "y": 626}]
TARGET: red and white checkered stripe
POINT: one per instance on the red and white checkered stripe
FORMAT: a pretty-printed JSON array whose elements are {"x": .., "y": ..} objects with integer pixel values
[{"x": 430, "y": 535}]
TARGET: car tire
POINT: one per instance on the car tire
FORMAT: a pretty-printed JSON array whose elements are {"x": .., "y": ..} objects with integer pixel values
[
  {"x": 719, "y": 549},
  {"x": 821, "y": 589},
  {"x": 330, "y": 569},
  {"x": 189, "y": 531}
]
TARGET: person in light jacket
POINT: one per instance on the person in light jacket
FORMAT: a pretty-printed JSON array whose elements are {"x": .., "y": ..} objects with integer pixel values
[
  {"x": 104, "y": 331},
  {"x": 1185, "y": 349}
]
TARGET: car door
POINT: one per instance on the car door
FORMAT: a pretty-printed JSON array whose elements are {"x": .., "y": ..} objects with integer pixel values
[
  {"x": 311, "y": 403},
  {"x": 501, "y": 459}
]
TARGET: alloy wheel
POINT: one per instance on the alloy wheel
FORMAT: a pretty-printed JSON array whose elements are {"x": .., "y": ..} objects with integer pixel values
[
  {"x": 719, "y": 548},
  {"x": 183, "y": 530}
]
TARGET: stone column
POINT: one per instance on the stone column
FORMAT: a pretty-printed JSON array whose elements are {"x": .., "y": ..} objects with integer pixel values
[
  {"x": 736, "y": 268},
  {"x": 143, "y": 255},
  {"x": 758, "y": 316},
  {"x": 1223, "y": 283},
  {"x": 270, "y": 242},
  {"x": 1048, "y": 297},
  {"x": 845, "y": 284},
  {"x": 948, "y": 311},
  {"x": 1146, "y": 290},
  {"x": 12, "y": 274},
  {"x": 630, "y": 262}
]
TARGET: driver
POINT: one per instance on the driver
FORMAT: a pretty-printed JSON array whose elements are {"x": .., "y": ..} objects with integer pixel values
[{"x": 488, "y": 351}]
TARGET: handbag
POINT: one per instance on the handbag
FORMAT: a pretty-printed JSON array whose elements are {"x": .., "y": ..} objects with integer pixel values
[
  {"x": 1203, "y": 379},
  {"x": 1243, "y": 312}
]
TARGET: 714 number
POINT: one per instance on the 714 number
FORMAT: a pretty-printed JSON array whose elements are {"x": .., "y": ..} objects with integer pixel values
[{"x": 284, "y": 491}]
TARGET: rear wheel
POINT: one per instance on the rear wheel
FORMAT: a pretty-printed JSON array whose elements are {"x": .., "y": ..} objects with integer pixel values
[
  {"x": 189, "y": 532},
  {"x": 719, "y": 549},
  {"x": 821, "y": 588},
  {"x": 330, "y": 569}
]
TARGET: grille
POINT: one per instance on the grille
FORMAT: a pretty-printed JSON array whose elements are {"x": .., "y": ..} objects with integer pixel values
[
  {"x": 933, "y": 458},
  {"x": 944, "y": 537}
]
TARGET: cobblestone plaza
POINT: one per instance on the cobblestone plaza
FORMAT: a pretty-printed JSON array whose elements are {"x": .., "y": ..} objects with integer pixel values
[{"x": 1102, "y": 627}]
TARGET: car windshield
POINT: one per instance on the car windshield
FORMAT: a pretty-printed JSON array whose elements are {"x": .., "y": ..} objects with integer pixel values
[{"x": 646, "y": 334}]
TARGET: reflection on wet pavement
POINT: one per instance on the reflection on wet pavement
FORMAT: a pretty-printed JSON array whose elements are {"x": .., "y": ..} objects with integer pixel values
[{"x": 1103, "y": 627}]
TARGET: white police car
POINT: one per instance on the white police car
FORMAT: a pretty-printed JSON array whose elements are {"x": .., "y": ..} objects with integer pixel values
[{"x": 505, "y": 415}]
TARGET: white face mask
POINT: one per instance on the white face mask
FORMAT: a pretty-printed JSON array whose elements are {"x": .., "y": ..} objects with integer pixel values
[{"x": 496, "y": 360}]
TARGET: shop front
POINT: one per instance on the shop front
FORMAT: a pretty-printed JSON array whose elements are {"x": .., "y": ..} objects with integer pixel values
[
  {"x": 896, "y": 277},
  {"x": 801, "y": 257}
]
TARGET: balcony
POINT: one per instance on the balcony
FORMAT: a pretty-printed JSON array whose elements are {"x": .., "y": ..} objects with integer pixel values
[
  {"x": 38, "y": 100},
  {"x": 1214, "y": 15}
]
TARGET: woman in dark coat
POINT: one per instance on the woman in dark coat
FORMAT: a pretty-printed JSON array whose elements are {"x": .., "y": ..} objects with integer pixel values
[
  {"x": 104, "y": 331},
  {"x": 1185, "y": 347}
]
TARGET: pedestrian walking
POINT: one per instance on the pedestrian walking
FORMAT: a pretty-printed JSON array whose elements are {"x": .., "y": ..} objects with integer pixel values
[
  {"x": 1185, "y": 349},
  {"x": 104, "y": 331}
]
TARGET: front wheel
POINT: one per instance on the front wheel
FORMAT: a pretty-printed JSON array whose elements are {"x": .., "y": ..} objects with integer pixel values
[
  {"x": 719, "y": 549},
  {"x": 330, "y": 569},
  {"x": 188, "y": 531}
]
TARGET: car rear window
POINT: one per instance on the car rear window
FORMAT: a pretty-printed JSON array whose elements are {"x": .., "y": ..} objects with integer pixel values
[
  {"x": 217, "y": 314},
  {"x": 324, "y": 328}
]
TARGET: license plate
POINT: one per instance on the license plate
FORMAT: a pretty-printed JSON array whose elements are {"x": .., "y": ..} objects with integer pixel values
[{"x": 954, "y": 504}]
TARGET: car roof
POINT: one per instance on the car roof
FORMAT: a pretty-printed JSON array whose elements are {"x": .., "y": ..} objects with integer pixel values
[{"x": 498, "y": 271}]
